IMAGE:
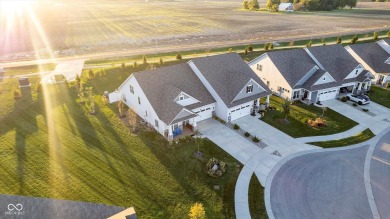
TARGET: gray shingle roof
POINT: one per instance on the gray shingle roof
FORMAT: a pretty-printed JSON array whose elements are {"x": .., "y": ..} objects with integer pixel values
[
  {"x": 373, "y": 55},
  {"x": 292, "y": 64},
  {"x": 309, "y": 83},
  {"x": 335, "y": 59},
  {"x": 228, "y": 74},
  {"x": 162, "y": 85}
]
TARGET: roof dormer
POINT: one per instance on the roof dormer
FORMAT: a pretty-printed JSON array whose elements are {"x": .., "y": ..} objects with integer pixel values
[{"x": 184, "y": 99}]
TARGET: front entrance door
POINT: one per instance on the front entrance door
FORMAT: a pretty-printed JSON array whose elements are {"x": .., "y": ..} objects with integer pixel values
[{"x": 305, "y": 94}]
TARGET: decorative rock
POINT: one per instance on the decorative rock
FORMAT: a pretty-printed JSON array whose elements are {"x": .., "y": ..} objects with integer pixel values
[{"x": 216, "y": 187}]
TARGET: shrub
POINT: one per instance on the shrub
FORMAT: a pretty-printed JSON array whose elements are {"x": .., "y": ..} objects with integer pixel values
[
  {"x": 388, "y": 34},
  {"x": 271, "y": 46},
  {"x": 245, "y": 4},
  {"x": 354, "y": 104},
  {"x": 291, "y": 44},
  {"x": 247, "y": 134},
  {"x": 339, "y": 40},
  {"x": 387, "y": 85},
  {"x": 246, "y": 51},
  {"x": 309, "y": 44},
  {"x": 255, "y": 139},
  {"x": 250, "y": 48},
  {"x": 220, "y": 170},
  {"x": 354, "y": 39},
  {"x": 375, "y": 35},
  {"x": 365, "y": 110},
  {"x": 344, "y": 99},
  {"x": 17, "y": 94},
  {"x": 236, "y": 126},
  {"x": 188, "y": 137},
  {"x": 178, "y": 56},
  {"x": 183, "y": 139},
  {"x": 266, "y": 46}
]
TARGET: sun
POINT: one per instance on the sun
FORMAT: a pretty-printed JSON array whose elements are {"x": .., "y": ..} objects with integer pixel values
[{"x": 13, "y": 8}]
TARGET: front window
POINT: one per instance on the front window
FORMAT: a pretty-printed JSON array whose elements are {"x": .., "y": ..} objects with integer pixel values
[
  {"x": 139, "y": 101},
  {"x": 296, "y": 94},
  {"x": 249, "y": 89},
  {"x": 259, "y": 67},
  {"x": 132, "y": 89}
]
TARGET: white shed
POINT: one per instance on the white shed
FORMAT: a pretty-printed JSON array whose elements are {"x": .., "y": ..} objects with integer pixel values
[{"x": 289, "y": 7}]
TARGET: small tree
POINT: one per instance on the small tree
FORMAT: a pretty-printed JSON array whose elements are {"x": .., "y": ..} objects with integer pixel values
[
  {"x": 245, "y": 5},
  {"x": 323, "y": 41},
  {"x": 354, "y": 39},
  {"x": 91, "y": 99},
  {"x": 132, "y": 119},
  {"x": 198, "y": 143},
  {"x": 309, "y": 44},
  {"x": 230, "y": 50},
  {"x": 120, "y": 108},
  {"x": 161, "y": 62},
  {"x": 339, "y": 40},
  {"x": 375, "y": 35},
  {"x": 145, "y": 60},
  {"x": 123, "y": 66},
  {"x": 135, "y": 65},
  {"x": 197, "y": 211},
  {"x": 178, "y": 56},
  {"x": 323, "y": 111},
  {"x": 246, "y": 51},
  {"x": 275, "y": 8},
  {"x": 270, "y": 46},
  {"x": 286, "y": 108},
  {"x": 388, "y": 34},
  {"x": 291, "y": 44},
  {"x": 255, "y": 4},
  {"x": 266, "y": 46},
  {"x": 250, "y": 48}
]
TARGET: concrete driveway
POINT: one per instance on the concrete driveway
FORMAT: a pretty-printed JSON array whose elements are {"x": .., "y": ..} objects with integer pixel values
[
  {"x": 377, "y": 120},
  {"x": 350, "y": 182}
]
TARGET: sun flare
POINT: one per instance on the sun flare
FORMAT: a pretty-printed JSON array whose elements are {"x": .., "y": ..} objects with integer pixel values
[{"x": 14, "y": 8}]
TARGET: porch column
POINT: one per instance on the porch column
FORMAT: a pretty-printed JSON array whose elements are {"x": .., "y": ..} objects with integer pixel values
[
  {"x": 366, "y": 85},
  {"x": 170, "y": 134},
  {"x": 267, "y": 101},
  {"x": 194, "y": 126},
  {"x": 360, "y": 87}
]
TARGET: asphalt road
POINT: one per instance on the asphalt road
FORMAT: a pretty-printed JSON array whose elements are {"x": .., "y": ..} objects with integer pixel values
[
  {"x": 380, "y": 176},
  {"x": 322, "y": 185}
]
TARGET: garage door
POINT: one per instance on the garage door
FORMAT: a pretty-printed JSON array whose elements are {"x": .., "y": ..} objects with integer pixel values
[
  {"x": 327, "y": 95},
  {"x": 204, "y": 114},
  {"x": 240, "y": 112}
]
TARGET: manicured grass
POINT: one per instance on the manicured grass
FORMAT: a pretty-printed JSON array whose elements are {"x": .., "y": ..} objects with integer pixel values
[
  {"x": 380, "y": 95},
  {"x": 256, "y": 199},
  {"x": 361, "y": 137},
  {"x": 53, "y": 148},
  {"x": 300, "y": 114}
]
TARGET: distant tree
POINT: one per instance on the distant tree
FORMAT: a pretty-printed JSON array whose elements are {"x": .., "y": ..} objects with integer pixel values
[
  {"x": 323, "y": 41},
  {"x": 145, "y": 60},
  {"x": 178, "y": 56},
  {"x": 354, "y": 39},
  {"x": 309, "y": 44},
  {"x": 270, "y": 46},
  {"x": 161, "y": 62},
  {"x": 375, "y": 35},
  {"x": 250, "y": 48},
  {"x": 286, "y": 108},
  {"x": 230, "y": 50},
  {"x": 273, "y": 5},
  {"x": 135, "y": 65},
  {"x": 255, "y": 4},
  {"x": 275, "y": 8},
  {"x": 350, "y": 3},
  {"x": 123, "y": 66},
  {"x": 388, "y": 34},
  {"x": 91, "y": 100},
  {"x": 246, "y": 51},
  {"x": 266, "y": 46},
  {"x": 339, "y": 40},
  {"x": 91, "y": 74},
  {"x": 245, "y": 4},
  {"x": 197, "y": 211},
  {"x": 291, "y": 44},
  {"x": 132, "y": 119}
]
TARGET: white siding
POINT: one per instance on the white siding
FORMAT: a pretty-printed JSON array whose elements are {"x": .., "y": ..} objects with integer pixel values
[
  {"x": 272, "y": 75},
  {"x": 140, "y": 109},
  {"x": 220, "y": 107},
  {"x": 355, "y": 72},
  {"x": 204, "y": 112},
  {"x": 326, "y": 78}
]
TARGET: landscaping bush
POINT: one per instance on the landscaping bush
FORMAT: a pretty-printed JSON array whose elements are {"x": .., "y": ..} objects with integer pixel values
[
  {"x": 247, "y": 134},
  {"x": 255, "y": 139},
  {"x": 354, "y": 104},
  {"x": 365, "y": 110},
  {"x": 17, "y": 94},
  {"x": 219, "y": 119},
  {"x": 219, "y": 170},
  {"x": 183, "y": 139},
  {"x": 387, "y": 85},
  {"x": 317, "y": 123},
  {"x": 178, "y": 56},
  {"x": 250, "y": 48},
  {"x": 344, "y": 99},
  {"x": 236, "y": 126},
  {"x": 188, "y": 138}
]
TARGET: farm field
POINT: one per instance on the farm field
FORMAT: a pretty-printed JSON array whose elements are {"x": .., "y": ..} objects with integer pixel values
[{"x": 103, "y": 26}]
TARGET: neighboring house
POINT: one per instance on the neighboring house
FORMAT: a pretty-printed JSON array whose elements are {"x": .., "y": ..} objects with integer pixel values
[
  {"x": 312, "y": 74},
  {"x": 375, "y": 57},
  {"x": 176, "y": 97},
  {"x": 289, "y": 7}
]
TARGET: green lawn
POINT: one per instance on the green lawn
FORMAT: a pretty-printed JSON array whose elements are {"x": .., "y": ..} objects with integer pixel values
[
  {"x": 380, "y": 95},
  {"x": 298, "y": 117},
  {"x": 361, "y": 137},
  {"x": 256, "y": 199},
  {"x": 51, "y": 147}
]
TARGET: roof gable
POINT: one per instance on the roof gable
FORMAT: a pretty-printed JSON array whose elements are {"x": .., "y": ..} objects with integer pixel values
[
  {"x": 373, "y": 55},
  {"x": 256, "y": 89},
  {"x": 186, "y": 99},
  {"x": 325, "y": 78}
]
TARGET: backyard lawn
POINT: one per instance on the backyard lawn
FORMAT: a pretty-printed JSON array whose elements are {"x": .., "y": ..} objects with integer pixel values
[
  {"x": 300, "y": 114},
  {"x": 51, "y": 147},
  {"x": 380, "y": 95},
  {"x": 361, "y": 137}
]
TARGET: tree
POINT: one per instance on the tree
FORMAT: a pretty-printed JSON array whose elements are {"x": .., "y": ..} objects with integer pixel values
[
  {"x": 17, "y": 94},
  {"x": 198, "y": 143},
  {"x": 323, "y": 110},
  {"x": 266, "y": 46},
  {"x": 354, "y": 39},
  {"x": 255, "y": 4},
  {"x": 120, "y": 108},
  {"x": 250, "y": 48},
  {"x": 91, "y": 99},
  {"x": 388, "y": 34},
  {"x": 286, "y": 108},
  {"x": 339, "y": 40},
  {"x": 245, "y": 5},
  {"x": 230, "y": 50},
  {"x": 123, "y": 66},
  {"x": 135, "y": 65},
  {"x": 246, "y": 51},
  {"x": 309, "y": 44},
  {"x": 375, "y": 36},
  {"x": 145, "y": 61},
  {"x": 178, "y": 56},
  {"x": 132, "y": 119},
  {"x": 323, "y": 41},
  {"x": 161, "y": 62},
  {"x": 197, "y": 211},
  {"x": 270, "y": 46},
  {"x": 350, "y": 3},
  {"x": 275, "y": 8},
  {"x": 291, "y": 44}
]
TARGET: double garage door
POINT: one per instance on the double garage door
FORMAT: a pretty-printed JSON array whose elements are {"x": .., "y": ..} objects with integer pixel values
[
  {"x": 239, "y": 112},
  {"x": 204, "y": 113},
  {"x": 327, "y": 95}
]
